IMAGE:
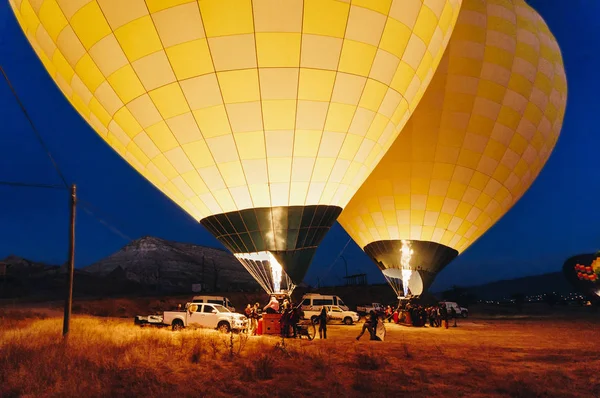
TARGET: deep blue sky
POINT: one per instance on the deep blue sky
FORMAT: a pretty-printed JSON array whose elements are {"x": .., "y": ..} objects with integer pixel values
[{"x": 559, "y": 216}]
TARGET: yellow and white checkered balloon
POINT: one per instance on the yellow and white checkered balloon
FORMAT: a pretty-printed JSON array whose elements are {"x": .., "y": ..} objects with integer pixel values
[
  {"x": 235, "y": 104},
  {"x": 478, "y": 139}
]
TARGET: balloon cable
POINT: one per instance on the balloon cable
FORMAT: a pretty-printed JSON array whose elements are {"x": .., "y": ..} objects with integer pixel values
[{"x": 87, "y": 207}]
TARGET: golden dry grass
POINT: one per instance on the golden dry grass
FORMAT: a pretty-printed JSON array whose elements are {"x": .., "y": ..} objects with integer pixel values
[{"x": 107, "y": 357}]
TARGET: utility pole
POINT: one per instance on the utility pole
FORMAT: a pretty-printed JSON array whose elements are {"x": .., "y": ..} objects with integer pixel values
[{"x": 71, "y": 264}]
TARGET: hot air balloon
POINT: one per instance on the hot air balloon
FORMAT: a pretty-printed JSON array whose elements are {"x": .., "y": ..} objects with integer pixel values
[
  {"x": 583, "y": 272},
  {"x": 478, "y": 139},
  {"x": 260, "y": 118}
]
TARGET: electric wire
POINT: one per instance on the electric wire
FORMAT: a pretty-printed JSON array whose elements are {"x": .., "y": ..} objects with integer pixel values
[
  {"x": 323, "y": 275},
  {"x": 35, "y": 131},
  {"x": 85, "y": 206},
  {"x": 30, "y": 185}
]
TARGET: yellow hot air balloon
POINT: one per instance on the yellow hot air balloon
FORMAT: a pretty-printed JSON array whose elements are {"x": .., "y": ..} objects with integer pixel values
[
  {"x": 260, "y": 118},
  {"x": 478, "y": 139}
]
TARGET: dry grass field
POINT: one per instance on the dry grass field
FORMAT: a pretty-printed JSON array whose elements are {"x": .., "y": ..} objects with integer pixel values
[{"x": 110, "y": 357}]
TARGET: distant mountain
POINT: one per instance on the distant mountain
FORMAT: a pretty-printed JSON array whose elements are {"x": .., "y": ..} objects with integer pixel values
[
  {"x": 174, "y": 266},
  {"x": 529, "y": 285},
  {"x": 146, "y": 265},
  {"x": 19, "y": 266}
]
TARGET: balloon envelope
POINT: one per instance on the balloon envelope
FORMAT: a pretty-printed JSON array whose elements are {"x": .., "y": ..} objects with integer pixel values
[
  {"x": 483, "y": 131},
  {"x": 260, "y": 118},
  {"x": 583, "y": 272}
]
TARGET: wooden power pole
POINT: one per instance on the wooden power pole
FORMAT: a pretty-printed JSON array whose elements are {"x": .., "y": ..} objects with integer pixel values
[{"x": 71, "y": 264}]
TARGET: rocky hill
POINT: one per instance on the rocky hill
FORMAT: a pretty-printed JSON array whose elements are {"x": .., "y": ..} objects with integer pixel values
[
  {"x": 174, "y": 266},
  {"x": 145, "y": 266}
]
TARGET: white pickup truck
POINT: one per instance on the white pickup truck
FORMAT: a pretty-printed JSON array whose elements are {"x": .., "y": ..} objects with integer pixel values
[
  {"x": 334, "y": 313},
  {"x": 365, "y": 309},
  {"x": 212, "y": 316},
  {"x": 460, "y": 311}
]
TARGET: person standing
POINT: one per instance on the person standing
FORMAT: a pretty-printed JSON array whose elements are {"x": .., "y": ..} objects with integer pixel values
[
  {"x": 254, "y": 316},
  {"x": 431, "y": 314},
  {"x": 284, "y": 322},
  {"x": 444, "y": 314},
  {"x": 294, "y": 319},
  {"x": 322, "y": 322},
  {"x": 453, "y": 314}
]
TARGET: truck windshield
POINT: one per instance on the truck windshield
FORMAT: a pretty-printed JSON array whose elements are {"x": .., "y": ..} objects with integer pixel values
[
  {"x": 340, "y": 302},
  {"x": 220, "y": 308}
]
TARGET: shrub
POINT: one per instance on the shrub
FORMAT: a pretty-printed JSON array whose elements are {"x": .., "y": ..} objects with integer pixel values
[
  {"x": 368, "y": 361},
  {"x": 263, "y": 367}
]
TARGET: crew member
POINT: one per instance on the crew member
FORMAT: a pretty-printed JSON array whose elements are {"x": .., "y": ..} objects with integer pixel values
[
  {"x": 273, "y": 306},
  {"x": 322, "y": 322}
]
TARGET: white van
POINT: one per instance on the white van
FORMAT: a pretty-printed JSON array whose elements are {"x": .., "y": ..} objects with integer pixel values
[
  {"x": 224, "y": 301},
  {"x": 314, "y": 301}
]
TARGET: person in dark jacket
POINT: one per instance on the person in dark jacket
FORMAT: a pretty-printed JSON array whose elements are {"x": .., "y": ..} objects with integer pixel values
[
  {"x": 453, "y": 314},
  {"x": 294, "y": 319},
  {"x": 322, "y": 322},
  {"x": 284, "y": 322},
  {"x": 444, "y": 314}
]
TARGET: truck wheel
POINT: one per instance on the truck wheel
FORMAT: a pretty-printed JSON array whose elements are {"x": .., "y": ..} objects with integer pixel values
[
  {"x": 223, "y": 327},
  {"x": 177, "y": 325},
  {"x": 314, "y": 319},
  {"x": 348, "y": 320},
  {"x": 465, "y": 314}
]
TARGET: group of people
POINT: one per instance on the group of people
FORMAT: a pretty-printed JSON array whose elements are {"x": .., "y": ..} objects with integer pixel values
[
  {"x": 409, "y": 313},
  {"x": 418, "y": 315},
  {"x": 253, "y": 313},
  {"x": 290, "y": 316}
]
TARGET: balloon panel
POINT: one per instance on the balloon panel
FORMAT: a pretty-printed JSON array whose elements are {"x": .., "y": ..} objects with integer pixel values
[
  {"x": 394, "y": 277},
  {"x": 228, "y": 105},
  {"x": 415, "y": 284},
  {"x": 290, "y": 234},
  {"x": 393, "y": 273},
  {"x": 478, "y": 139}
]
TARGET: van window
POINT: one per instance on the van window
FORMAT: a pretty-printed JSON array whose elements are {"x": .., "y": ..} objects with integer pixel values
[
  {"x": 215, "y": 301},
  {"x": 335, "y": 300},
  {"x": 322, "y": 302},
  {"x": 306, "y": 302}
]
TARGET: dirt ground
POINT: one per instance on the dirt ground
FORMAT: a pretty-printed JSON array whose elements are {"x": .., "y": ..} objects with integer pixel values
[{"x": 517, "y": 356}]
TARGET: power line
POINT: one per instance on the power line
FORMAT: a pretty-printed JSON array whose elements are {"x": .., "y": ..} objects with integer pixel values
[
  {"x": 37, "y": 134},
  {"x": 28, "y": 185},
  {"x": 334, "y": 261}
]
